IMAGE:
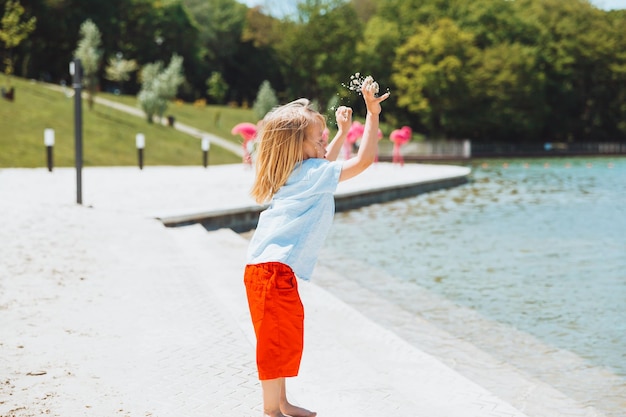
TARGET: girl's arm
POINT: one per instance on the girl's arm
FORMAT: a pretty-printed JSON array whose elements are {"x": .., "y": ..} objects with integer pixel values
[
  {"x": 343, "y": 115},
  {"x": 369, "y": 143}
]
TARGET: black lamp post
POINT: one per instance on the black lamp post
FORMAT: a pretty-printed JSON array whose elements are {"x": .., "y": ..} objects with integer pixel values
[
  {"x": 206, "y": 146},
  {"x": 140, "y": 142},
  {"x": 77, "y": 72},
  {"x": 48, "y": 140}
]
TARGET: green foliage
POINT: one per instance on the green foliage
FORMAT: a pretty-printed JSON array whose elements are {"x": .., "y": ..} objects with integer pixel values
[
  {"x": 493, "y": 22},
  {"x": 220, "y": 24},
  {"x": 119, "y": 69},
  {"x": 216, "y": 87},
  {"x": 576, "y": 47},
  {"x": 366, "y": 9},
  {"x": 377, "y": 49},
  {"x": 159, "y": 85},
  {"x": 506, "y": 81},
  {"x": 260, "y": 29},
  {"x": 319, "y": 52},
  {"x": 265, "y": 100},
  {"x": 90, "y": 55},
  {"x": 539, "y": 70},
  {"x": 545, "y": 70},
  {"x": 13, "y": 31},
  {"x": 430, "y": 73},
  {"x": 617, "y": 103}
]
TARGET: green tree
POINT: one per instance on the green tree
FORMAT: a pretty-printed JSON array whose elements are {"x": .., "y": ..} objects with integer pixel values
[
  {"x": 90, "y": 55},
  {"x": 13, "y": 31},
  {"x": 216, "y": 87},
  {"x": 493, "y": 22},
  {"x": 220, "y": 24},
  {"x": 265, "y": 101},
  {"x": 409, "y": 14},
  {"x": 366, "y": 9},
  {"x": 617, "y": 103},
  {"x": 376, "y": 51},
  {"x": 319, "y": 51},
  {"x": 119, "y": 70},
  {"x": 257, "y": 57},
  {"x": 146, "y": 30},
  {"x": 260, "y": 29},
  {"x": 159, "y": 85},
  {"x": 430, "y": 74},
  {"x": 577, "y": 48},
  {"x": 507, "y": 94}
]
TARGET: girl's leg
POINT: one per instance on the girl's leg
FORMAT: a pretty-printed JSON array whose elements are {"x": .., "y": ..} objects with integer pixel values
[
  {"x": 277, "y": 315},
  {"x": 271, "y": 396},
  {"x": 289, "y": 409},
  {"x": 275, "y": 403}
]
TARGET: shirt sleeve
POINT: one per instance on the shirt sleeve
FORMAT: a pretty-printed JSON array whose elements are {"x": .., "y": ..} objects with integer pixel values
[
  {"x": 313, "y": 178},
  {"x": 325, "y": 177}
]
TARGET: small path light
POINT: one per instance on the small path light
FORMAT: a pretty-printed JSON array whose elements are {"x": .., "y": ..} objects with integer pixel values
[
  {"x": 140, "y": 141},
  {"x": 48, "y": 140},
  {"x": 206, "y": 146}
]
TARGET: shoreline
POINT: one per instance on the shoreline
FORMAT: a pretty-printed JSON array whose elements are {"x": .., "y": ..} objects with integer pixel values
[{"x": 475, "y": 346}]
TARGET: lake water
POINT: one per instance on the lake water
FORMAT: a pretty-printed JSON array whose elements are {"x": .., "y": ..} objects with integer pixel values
[{"x": 538, "y": 245}]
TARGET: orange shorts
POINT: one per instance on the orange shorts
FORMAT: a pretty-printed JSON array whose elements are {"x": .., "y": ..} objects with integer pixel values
[{"x": 278, "y": 318}]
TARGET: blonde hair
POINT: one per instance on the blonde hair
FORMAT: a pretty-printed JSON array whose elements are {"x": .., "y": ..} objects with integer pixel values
[{"x": 281, "y": 139}]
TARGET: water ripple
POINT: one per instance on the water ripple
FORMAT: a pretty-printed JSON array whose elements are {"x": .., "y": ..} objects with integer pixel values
[{"x": 539, "y": 247}]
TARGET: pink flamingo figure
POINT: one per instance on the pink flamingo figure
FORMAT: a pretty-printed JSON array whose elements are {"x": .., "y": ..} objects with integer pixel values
[
  {"x": 248, "y": 133},
  {"x": 399, "y": 137},
  {"x": 380, "y": 136},
  {"x": 325, "y": 135},
  {"x": 355, "y": 132}
]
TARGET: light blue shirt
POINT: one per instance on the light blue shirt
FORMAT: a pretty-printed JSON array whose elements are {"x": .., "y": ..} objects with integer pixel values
[{"x": 294, "y": 227}]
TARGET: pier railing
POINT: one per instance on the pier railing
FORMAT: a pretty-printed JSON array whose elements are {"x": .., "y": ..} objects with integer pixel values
[
  {"x": 547, "y": 149},
  {"x": 431, "y": 150},
  {"x": 466, "y": 149}
]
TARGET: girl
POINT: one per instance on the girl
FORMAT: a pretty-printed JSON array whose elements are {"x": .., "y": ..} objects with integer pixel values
[{"x": 299, "y": 176}]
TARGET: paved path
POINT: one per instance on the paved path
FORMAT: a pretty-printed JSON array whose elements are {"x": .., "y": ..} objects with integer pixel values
[
  {"x": 216, "y": 140},
  {"x": 105, "y": 312},
  {"x": 135, "y": 111}
]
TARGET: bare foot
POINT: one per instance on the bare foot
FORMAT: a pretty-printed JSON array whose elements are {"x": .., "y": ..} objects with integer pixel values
[
  {"x": 295, "y": 411},
  {"x": 275, "y": 414}
]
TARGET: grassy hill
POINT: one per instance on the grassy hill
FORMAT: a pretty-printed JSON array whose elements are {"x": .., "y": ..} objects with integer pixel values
[{"x": 108, "y": 134}]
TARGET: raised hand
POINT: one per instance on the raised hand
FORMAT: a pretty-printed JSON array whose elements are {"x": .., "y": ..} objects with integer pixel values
[
  {"x": 369, "y": 89},
  {"x": 343, "y": 115}
]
